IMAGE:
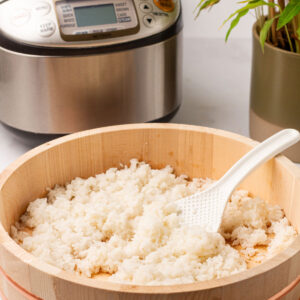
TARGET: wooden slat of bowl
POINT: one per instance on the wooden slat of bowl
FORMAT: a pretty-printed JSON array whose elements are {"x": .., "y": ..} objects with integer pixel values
[{"x": 191, "y": 150}]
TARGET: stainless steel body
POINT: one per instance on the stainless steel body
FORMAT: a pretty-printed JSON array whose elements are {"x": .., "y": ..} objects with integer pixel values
[
  {"x": 67, "y": 94},
  {"x": 63, "y": 93}
]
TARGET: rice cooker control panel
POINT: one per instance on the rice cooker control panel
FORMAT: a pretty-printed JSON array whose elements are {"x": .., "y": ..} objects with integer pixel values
[{"x": 85, "y": 23}]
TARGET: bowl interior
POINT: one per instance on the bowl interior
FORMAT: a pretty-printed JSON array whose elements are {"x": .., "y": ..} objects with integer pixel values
[{"x": 194, "y": 151}]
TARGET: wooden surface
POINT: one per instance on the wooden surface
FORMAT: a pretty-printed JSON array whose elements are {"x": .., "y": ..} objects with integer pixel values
[{"x": 191, "y": 150}]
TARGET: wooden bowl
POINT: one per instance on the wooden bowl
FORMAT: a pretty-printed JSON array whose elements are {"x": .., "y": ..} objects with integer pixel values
[{"x": 191, "y": 150}]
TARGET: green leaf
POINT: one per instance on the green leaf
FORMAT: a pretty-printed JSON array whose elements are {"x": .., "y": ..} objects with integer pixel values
[
  {"x": 208, "y": 3},
  {"x": 251, "y": 5},
  {"x": 248, "y": 1},
  {"x": 290, "y": 11},
  {"x": 298, "y": 32},
  {"x": 264, "y": 33},
  {"x": 235, "y": 21},
  {"x": 199, "y": 4},
  {"x": 203, "y": 4}
]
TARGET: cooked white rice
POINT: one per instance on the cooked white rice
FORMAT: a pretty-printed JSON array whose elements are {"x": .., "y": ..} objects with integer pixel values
[{"x": 125, "y": 223}]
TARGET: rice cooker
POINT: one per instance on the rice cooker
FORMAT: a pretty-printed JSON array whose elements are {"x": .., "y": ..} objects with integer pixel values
[{"x": 70, "y": 65}]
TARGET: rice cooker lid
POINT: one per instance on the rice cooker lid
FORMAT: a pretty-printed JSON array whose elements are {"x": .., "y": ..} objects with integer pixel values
[{"x": 61, "y": 27}]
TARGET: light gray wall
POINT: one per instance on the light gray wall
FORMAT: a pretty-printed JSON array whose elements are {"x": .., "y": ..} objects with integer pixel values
[{"x": 207, "y": 25}]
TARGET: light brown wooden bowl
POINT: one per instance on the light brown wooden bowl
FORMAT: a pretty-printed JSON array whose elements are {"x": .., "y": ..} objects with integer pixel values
[{"x": 191, "y": 150}]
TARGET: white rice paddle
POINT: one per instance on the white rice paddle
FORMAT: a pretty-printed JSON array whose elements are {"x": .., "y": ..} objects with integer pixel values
[{"x": 206, "y": 208}]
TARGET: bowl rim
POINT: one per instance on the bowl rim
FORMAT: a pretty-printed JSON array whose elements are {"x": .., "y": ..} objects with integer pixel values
[{"x": 20, "y": 254}]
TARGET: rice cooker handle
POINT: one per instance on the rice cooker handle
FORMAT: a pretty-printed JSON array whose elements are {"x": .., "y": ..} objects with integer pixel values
[{"x": 286, "y": 290}]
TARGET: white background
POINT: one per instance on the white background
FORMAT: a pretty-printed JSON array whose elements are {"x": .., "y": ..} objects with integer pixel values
[{"x": 208, "y": 23}]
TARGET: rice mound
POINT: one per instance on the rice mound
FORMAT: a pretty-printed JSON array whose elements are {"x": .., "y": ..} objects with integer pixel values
[{"x": 125, "y": 223}]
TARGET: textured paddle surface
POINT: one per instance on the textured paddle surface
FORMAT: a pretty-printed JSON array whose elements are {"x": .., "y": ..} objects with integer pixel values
[{"x": 204, "y": 209}]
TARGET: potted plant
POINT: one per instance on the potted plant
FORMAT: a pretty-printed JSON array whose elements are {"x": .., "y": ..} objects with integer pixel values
[{"x": 275, "y": 80}]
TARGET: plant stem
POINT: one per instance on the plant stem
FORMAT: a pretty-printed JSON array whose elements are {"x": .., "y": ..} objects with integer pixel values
[
  {"x": 273, "y": 29},
  {"x": 281, "y": 39},
  {"x": 297, "y": 40},
  {"x": 281, "y": 4},
  {"x": 256, "y": 14},
  {"x": 289, "y": 39},
  {"x": 279, "y": 32},
  {"x": 258, "y": 18},
  {"x": 262, "y": 17}
]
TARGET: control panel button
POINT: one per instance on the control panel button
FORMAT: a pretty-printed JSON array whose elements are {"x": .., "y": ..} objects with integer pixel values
[
  {"x": 165, "y": 5},
  {"x": 149, "y": 21},
  {"x": 146, "y": 7},
  {"x": 41, "y": 8},
  {"x": 20, "y": 17},
  {"x": 46, "y": 28}
]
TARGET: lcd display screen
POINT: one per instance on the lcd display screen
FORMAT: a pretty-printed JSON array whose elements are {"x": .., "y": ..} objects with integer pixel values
[{"x": 95, "y": 15}]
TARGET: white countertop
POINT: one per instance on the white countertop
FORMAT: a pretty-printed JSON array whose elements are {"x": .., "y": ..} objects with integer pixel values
[{"x": 216, "y": 78}]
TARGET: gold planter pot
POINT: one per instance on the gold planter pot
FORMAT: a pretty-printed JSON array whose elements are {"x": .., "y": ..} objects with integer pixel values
[{"x": 275, "y": 92}]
